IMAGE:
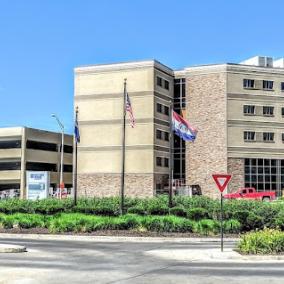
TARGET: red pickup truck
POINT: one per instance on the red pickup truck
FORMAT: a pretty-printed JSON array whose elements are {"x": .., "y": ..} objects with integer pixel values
[{"x": 251, "y": 193}]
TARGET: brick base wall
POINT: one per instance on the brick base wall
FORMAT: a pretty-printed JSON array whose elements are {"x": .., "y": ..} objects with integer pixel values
[
  {"x": 236, "y": 169},
  {"x": 103, "y": 185}
]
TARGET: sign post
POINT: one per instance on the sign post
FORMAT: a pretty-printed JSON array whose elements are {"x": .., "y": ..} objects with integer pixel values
[
  {"x": 222, "y": 181},
  {"x": 38, "y": 183}
]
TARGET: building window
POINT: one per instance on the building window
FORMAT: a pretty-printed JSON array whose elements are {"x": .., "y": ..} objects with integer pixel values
[
  {"x": 248, "y": 83},
  {"x": 282, "y": 111},
  {"x": 268, "y": 110},
  {"x": 166, "y": 84},
  {"x": 67, "y": 168},
  {"x": 249, "y": 109},
  {"x": 282, "y": 137},
  {"x": 282, "y": 86},
  {"x": 158, "y": 134},
  {"x": 10, "y": 144},
  {"x": 159, "y": 108},
  {"x": 159, "y": 81},
  {"x": 159, "y": 161},
  {"x": 68, "y": 149},
  {"x": 166, "y": 135},
  {"x": 32, "y": 166},
  {"x": 249, "y": 136},
  {"x": 166, "y": 162},
  {"x": 166, "y": 110},
  {"x": 267, "y": 85},
  {"x": 268, "y": 136},
  {"x": 264, "y": 174},
  {"x": 10, "y": 166},
  {"x": 44, "y": 146}
]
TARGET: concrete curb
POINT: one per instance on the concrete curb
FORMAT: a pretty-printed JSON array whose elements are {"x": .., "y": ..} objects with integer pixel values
[
  {"x": 111, "y": 238},
  {"x": 6, "y": 248}
]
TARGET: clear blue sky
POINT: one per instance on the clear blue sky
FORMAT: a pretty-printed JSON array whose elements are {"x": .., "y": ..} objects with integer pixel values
[{"x": 43, "y": 40}]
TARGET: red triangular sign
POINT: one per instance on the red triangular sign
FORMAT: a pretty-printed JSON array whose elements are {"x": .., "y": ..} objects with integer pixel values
[{"x": 221, "y": 180}]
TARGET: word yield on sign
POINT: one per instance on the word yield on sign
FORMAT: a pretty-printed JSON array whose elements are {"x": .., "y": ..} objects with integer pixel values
[{"x": 221, "y": 180}]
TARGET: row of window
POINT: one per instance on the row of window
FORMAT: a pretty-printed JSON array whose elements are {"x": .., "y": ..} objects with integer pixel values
[
  {"x": 260, "y": 84},
  {"x": 162, "y": 162},
  {"x": 266, "y": 110},
  {"x": 35, "y": 145},
  {"x": 260, "y": 136},
  {"x": 162, "y": 135},
  {"x": 163, "y": 83},
  {"x": 163, "y": 109},
  {"x": 32, "y": 166}
]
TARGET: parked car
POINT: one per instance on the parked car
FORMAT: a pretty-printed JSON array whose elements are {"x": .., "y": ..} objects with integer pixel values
[{"x": 251, "y": 193}]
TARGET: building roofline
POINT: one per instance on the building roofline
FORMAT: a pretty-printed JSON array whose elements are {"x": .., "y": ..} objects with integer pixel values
[
  {"x": 123, "y": 66},
  {"x": 33, "y": 129}
]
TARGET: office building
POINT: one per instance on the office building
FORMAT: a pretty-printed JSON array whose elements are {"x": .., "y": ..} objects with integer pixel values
[
  {"x": 26, "y": 149},
  {"x": 238, "y": 110}
]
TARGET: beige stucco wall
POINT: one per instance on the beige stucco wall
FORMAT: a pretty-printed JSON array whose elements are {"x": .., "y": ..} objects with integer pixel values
[{"x": 239, "y": 122}]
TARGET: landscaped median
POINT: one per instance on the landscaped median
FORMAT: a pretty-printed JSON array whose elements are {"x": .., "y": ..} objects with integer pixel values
[
  {"x": 82, "y": 223},
  {"x": 198, "y": 215}
]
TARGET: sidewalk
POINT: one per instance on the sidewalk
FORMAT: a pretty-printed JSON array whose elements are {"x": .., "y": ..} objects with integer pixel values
[{"x": 111, "y": 238}]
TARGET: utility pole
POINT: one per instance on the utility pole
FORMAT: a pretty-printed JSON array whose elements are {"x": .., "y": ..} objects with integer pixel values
[
  {"x": 123, "y": 152},
  {"x": 61, "y": 185}
]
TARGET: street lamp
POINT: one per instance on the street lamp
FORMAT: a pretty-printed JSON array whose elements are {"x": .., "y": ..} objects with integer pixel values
[{"x": 62, "y": 152}]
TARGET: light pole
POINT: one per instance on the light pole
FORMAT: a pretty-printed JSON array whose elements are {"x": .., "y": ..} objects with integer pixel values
[{"x": 62, "y": 152}]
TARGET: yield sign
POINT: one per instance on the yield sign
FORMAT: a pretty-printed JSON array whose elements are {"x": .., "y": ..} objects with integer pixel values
[{"x": 221, "y": 180}]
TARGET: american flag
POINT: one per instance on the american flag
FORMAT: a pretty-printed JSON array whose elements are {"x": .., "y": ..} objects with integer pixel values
[{"x": 128, "y": 108}]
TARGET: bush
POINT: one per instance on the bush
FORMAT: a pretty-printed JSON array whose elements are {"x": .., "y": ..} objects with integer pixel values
[
  {"x": 197, "y": 214},
  {"x": 140, "y": 210},
  {"x": 232, "y": 226},
  {"x": 178, "y": 211},
  {"x": 207, "y": 227},
  {"x": 254, "y": 222},
  {"x": 268, "y": 241}
]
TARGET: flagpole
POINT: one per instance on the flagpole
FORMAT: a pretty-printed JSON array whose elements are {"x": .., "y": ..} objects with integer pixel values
[
  {"x": 171, "y": 157},
  {"x": 123, "y": 152},
  {"x": 75, "y": 158}
]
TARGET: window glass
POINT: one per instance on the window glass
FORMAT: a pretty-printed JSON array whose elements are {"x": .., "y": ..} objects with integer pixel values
[
  {"x": 159, "y": 81},
  {"x": 268, "y": 110},
  {"x": 159, "y": 108},
  {"x": 248, "y": 83},
  {"x": 159, "y": 134},
  {"x": 159, "y": 161},
  {"x": 166, "y": 84},
  {"x": 166, "y": 110},
  {"x": 249, "y": 109},
  {"x": 267, "y": 85}
]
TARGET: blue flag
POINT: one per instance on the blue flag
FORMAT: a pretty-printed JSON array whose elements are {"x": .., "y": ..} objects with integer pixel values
[{"x": 77, "y": 132}]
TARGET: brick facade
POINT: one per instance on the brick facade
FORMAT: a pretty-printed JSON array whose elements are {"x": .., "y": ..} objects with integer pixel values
[
  {"x": 206, "y": 110},
  {"x": 236, "y": 169},
  {"x": 103, "y": 185}
]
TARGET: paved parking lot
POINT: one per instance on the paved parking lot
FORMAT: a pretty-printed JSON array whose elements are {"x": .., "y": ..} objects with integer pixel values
[{"x": 114, "y": 261}]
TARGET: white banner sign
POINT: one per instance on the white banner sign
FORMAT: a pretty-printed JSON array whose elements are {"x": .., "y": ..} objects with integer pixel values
[{"x": 37, "y": 185}]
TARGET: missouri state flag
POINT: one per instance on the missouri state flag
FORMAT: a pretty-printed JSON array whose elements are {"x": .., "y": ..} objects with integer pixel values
[{"x": 182, "y": 128}]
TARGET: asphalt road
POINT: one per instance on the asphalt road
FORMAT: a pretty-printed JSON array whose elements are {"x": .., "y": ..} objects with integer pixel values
[{"x": 77, "y": 261}]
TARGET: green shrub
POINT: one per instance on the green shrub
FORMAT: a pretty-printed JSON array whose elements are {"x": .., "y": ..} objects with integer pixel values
[
  {"x": 197, "y": 214},
  {"x": 178, "y": 211},
  {"x": 254, "y": 222},
  {"x": 207, "y": 227},
  {"x": 232, "y": 226},
  {"x": 268, "y": 241},
  {"x": 138, "y": 209}
]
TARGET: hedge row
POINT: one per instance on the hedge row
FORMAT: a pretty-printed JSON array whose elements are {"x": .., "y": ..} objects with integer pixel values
[
  {"x": 251, "y": 214},
  {"x": 262, "y": 242},
  {"x": 78, "y": 222}
]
